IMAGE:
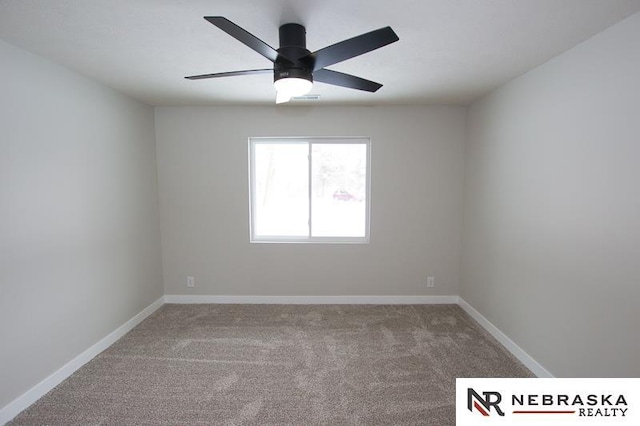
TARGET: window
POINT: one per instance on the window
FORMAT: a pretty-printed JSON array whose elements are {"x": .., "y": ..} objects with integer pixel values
[{"x": 309, "y": 189}]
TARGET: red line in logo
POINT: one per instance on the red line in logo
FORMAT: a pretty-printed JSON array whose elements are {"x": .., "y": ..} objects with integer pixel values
[
  {"x": 479, "y": 408},
  {"x": 543, "y": 412}
]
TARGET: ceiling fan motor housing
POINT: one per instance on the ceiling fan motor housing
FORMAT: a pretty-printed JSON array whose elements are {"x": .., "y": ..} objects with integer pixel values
[{"x": 293, "y": 47}]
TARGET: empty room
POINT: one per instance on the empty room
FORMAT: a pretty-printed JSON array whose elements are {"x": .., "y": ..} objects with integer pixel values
[{"x": 313, "y": 212}]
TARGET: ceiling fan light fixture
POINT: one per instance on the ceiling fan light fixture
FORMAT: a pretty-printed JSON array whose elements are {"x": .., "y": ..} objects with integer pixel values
[{"x": 290, "y": 87}]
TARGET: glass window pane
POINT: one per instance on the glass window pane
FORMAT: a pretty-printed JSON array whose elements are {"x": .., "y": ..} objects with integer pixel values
[
  {"x": 338, "y": 190},
  {"x": 281, "y": 178}
]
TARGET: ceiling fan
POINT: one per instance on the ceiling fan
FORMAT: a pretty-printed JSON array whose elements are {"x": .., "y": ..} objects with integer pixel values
[{"x": 294, "y": 67}]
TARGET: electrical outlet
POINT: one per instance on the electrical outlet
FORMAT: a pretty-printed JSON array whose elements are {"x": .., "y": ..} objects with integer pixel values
[
  {"x": 431, "y": 281},
  {"x": 191, "y": 282}
]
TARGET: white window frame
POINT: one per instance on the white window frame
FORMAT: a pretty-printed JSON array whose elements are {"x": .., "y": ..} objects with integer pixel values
[{"x": 312, "y": 140}]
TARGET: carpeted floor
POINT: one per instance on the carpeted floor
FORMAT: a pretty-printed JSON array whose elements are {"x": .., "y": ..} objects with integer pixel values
[{"x": 281, "y": 364}]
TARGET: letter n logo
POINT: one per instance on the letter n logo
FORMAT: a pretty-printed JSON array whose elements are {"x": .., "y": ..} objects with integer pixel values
[{"x": 483, "y": 405}]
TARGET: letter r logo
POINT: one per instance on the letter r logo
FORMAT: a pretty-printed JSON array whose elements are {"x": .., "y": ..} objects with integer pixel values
[{"x": 483, "y": 404}]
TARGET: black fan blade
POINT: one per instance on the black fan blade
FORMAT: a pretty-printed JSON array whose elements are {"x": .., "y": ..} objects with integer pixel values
[
  {"x": 244, "y": 36},
  {"x": 345, "y": 80},
  {"x": 229, "y": 74},
  {"x": 353, "y": 47}
]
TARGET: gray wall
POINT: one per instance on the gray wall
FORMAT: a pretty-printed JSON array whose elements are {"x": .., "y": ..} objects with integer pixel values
[
  {"x": 416, "y": 196},
  {"x": 552, "y": 208},
  {"x": 79, "y": 228}
]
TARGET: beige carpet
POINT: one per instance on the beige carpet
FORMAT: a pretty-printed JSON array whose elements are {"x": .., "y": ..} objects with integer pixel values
[{"x": 281, "y": 364}]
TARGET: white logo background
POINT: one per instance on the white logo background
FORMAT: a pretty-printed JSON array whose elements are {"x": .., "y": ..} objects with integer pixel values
[{"x": 628, "y": 388}]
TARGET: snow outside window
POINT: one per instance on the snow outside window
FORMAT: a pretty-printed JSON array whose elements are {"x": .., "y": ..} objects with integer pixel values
[{"x": 309, "y": 189}]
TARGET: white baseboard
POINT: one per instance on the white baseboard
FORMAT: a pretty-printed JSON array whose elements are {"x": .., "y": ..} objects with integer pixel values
[
  {"x": 511, "y": 346},
  {"x": 313, "y": 300},
  {"x": 14, "y": 408}
]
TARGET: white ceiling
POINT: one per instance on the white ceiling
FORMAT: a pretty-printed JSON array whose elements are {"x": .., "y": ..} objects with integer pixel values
[{"x": 450, "y": 51}]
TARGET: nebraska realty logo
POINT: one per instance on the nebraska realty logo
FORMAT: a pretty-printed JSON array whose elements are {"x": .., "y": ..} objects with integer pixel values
[{"x": 548, "y": 401}]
